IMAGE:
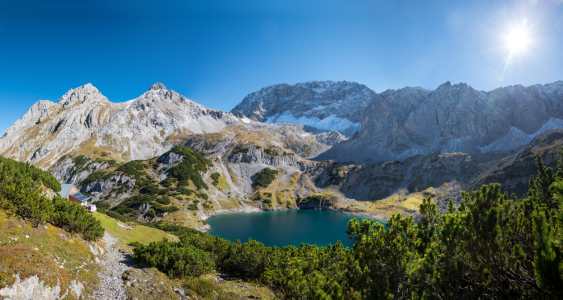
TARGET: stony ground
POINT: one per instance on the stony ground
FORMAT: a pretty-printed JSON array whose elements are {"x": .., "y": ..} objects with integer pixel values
[{"x": 114, "y": 263}]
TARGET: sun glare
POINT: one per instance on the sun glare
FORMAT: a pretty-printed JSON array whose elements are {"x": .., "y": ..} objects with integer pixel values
[{"x": 517, "y": 40}]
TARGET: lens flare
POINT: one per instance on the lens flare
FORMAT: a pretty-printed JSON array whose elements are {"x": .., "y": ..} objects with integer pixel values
[{"x": 518, "y": 39}]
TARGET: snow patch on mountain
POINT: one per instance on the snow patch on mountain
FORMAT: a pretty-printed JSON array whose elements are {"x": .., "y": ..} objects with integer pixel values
[{"x": 332, "y": 122}]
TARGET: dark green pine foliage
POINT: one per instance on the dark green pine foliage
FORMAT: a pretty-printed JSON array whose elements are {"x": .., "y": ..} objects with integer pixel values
[
  {"x": 265, "y": 177},
  {"x": 175, "y": 259},
  {"x": 134, "y": 168},
  {"x": 190, "y": 167},
  {"x": 21, "y": 194},
  {"x": 215, "y": 176}
]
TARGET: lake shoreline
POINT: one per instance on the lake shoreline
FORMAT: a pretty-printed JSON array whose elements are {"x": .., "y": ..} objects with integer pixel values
[{"x": 250, "y": 210}]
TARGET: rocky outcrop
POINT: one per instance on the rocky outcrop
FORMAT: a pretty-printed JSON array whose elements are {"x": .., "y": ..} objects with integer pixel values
[
  {"x": 33, "y": 289},
  {"x": 106, "y": 185},
  {"x": 258, "y": 156},
  {"x": 325, "y": 105},
  {"x": 170, "y": 158}
]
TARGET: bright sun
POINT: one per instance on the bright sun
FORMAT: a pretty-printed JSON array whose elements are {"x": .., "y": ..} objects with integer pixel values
[{"x": 517, "y": 39}]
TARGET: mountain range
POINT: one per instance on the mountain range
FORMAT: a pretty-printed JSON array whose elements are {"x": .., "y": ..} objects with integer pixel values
[{"x": 341, "y": 141}]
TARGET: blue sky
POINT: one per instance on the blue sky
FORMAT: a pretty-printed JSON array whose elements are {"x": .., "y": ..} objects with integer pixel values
[{"x": 217, "y": 52}]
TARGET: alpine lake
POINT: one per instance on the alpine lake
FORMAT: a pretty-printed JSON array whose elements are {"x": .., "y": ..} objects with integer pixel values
[{"x": 286, "y": 227}]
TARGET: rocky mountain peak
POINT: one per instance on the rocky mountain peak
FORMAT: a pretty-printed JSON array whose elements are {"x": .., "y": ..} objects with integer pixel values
[
  {"x": 325, "y": 105},
  {"x": 85, "y": 93},
  {"x": 445, "y": 85},
  {"x": 157, "y": 86}
]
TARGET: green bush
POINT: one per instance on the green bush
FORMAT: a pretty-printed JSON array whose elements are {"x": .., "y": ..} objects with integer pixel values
[
  {"x": 189, "y": 169},
  {"x": 80, "y": 162},
  {"x": 21, "y": 194},
  {"x": 215, "y": 176},
  {"x": 240, "y": 150},
  {"x": 174, "y": 259},
  {"x": 193, "y": 206},
  {"x": 265, "y": 177},
  {"x": 271, "y": 152},
  {"x": 134, "y": 168},
  {"x": 164, "y": 209},
  {"x": 163, "y": 200},
  {"x": 151, "y": 189},
  {"x": 75, "y": 218},
  {"x": 166, "y": 182},
  {"x": 29, "y": 171}
]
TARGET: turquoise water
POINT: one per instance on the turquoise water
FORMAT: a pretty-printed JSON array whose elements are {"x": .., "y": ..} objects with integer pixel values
[{"x": 283, "y": 228}]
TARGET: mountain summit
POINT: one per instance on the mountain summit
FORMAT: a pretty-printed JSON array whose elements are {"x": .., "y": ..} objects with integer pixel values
[
  {"x": 83, "y": 118},
  {"x": 325, "y": 105}
]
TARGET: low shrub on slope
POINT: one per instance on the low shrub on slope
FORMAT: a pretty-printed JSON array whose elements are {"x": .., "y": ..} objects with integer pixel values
[{"x": 21, "y": 194}]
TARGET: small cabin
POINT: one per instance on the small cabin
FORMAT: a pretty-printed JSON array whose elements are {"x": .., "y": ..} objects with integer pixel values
[{"x": 70, "y": 192}]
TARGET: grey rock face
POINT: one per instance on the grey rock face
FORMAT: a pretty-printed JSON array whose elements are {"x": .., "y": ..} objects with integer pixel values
[
  {"x": 171, "y": 158},
  {"x": 458, "y": 118},
  {"x": 157, "y": 86},
  {"x": 257, "y": 156},
  {"x": 325, "y": 105},
  {"x": 108, "y": 184},
  {"x": 33, "y": 289}
]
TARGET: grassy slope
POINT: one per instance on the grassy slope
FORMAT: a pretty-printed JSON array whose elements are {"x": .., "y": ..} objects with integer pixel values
[
  {"x": 42, "y": 250},
  {"x": 141, "y": 234}
]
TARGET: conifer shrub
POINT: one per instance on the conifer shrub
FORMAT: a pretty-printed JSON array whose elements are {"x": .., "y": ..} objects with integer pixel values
[
  {"x": 75, "y": 218},
  {"x": 166, "y": 182},
  {"x": 240, "y": 150},
  {"x": 174, "y": 259},
  {"x": 271, "y": 152},
  {"x": 151, "y": 189},
  {"x": 265, "y": 177},
  {"x": 163, "y": 200},
  {"x": 184, "y": 191},
  {"x": 80, "y": 162},
  {"x": 21, "y": 194},
  {"x": 164, "y": 209},
  {"x": 189, "y": 169},
  {"x": 215, "y": 176},
  {"x": 134, "y": 168}
]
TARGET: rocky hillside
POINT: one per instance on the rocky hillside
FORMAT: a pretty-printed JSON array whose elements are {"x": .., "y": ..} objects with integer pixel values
[{"x": 325, "y": 105}]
